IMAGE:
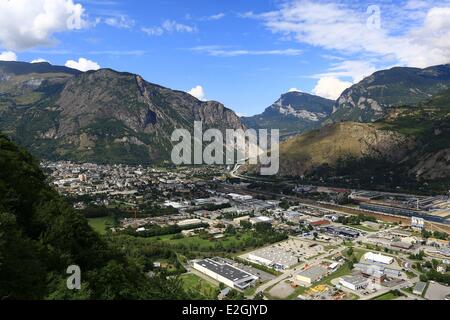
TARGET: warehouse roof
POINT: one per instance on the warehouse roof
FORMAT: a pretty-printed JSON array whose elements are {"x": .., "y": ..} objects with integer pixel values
[
  {"x": 355, "y": 280},
  {"x": 225, "y": 270},
  {"x": 314, "y": 272}
]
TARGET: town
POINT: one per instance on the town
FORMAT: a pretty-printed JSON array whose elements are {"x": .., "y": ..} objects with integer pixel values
[{"x": 228, "y": 236}]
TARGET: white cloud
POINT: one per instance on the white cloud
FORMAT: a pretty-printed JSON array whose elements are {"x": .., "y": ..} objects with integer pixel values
[
  {"x": 39, "y": 60},
  {"x": 354, "y": 69},
  {"x": 119, "y": 21},
  {"x": 169, "y": 26},
  {"x": 330, "y": 87},
  {"x": 198, "y": 92},
  {"x": 153, "y": 31},
  {"x": 29, "y": 23},
  {"x": 8, "y": 56},
  {"x": 420, "y": 41},
  {"x": 83, "y": 64},
  {"x": 220, "y": 51},
  {"x": 294, "y": 90},
  {"x": 216, "y": 16}
]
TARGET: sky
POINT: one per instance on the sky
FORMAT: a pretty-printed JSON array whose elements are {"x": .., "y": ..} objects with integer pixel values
[{"x": 243, "y": 53}]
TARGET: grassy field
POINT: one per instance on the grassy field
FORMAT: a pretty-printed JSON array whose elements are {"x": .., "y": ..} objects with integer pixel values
[
  {"x": 362, "y": 228},
  {"x": 358, "y": 253},
  {"x": 100, "y": 224},
  {"x": 199, "y": 286}
]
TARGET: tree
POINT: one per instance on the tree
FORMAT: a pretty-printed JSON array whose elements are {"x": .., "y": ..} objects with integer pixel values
[
  {"x": 230, "y": 230},
  {"x": 350, "y": 251},
  {"x": 284, "y": 204},
  {"x": 246, "y": 225}
]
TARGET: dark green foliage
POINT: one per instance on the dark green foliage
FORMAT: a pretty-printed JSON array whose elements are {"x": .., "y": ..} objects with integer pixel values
[
  {"x": 355, "y": 220},
  {"x": 41, "y": 235},
  {"x": 433, "y": 275}
]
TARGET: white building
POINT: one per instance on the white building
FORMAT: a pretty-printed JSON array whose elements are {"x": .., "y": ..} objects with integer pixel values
[
  {"x": 354, "y": 283},
  {"x": 378, "y": 258},
  {"x": 225, "y": 273},
  {"x": 260, "y": 219},
  {"x": 259, "y": 260},
  {"x": 189, "y": 222},
  {"x": 239, "y": 197}
]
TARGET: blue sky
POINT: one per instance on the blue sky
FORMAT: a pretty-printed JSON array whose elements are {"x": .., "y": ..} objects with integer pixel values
[{"x": 241, "y": 53}]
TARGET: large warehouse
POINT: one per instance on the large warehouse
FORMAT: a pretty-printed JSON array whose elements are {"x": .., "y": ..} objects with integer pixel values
[
  {"x": 312, "y": 274},
  {"x": 378, "y": 258},
  {"x": 354, "y": 282},
  {"x": 225, "y": 273}
]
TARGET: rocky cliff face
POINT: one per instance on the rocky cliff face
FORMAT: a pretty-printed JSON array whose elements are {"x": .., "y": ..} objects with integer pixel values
[
  {"x": 409, "y": 147},
  {"x": 368, "y": 100},
  {"x": 293, "y": 113},
  {"x": 102, "y": 116}
]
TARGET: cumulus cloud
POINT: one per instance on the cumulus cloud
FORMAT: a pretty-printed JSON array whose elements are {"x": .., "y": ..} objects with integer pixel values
[
  {"x": 83, "y": 64},
  {"x": 169, "y": 26},
  {"x": 198, "y": 92},
  {"x": 39, "y": 60},
  {"x": 8, "y": 56},
  {"x": 411, "y": 39},
  {"x": 29, "y": 23},
  {"x": 354, "y": 69},
  {"x": 330, "y": 87}
]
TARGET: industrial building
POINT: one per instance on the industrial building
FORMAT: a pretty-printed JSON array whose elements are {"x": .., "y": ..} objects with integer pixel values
[
  {"x": 284, "y": 255},
  {"x": 239, "y": 197},
  {"x": 237, "y": 221},
  {"x": 377, "y": 273},
  {"x": 378, "y": 258},
  {"x": 419, "y": 288},
  {"x": 225, "y": 273},
  {"x": 341, "y": 232},
  {"x": 260, "y": 219},
  {"x": 354, "y": 283},
  {"x": 189, "y": 222},
  {"x": 312, "y": 274}
]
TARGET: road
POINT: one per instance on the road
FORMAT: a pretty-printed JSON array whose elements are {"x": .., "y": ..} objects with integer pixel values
[{"x": 291, "y": 272}]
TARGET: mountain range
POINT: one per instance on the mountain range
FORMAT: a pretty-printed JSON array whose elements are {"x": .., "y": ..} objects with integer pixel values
[
  {"x": 368, "y": 100},
  {"x": 410, "y": 145},
  {"x": 391, "y": 128},
  {"x": 293, "y": 113},
  {"x": 99, "y": 116},
  {"x": 393, "y": 124}
]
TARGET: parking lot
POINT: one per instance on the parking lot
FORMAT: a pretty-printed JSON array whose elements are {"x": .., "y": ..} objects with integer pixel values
[
  {"x": 437, "y": 291},
  {"x": 288, "y": 253}
]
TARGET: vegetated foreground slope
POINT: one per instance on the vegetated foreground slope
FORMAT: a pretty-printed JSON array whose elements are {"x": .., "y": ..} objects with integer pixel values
[{"x": 40, "y": 236}]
